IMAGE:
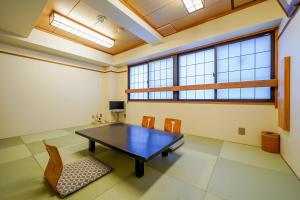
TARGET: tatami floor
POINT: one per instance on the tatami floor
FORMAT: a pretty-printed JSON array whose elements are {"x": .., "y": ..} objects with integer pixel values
[{"x": 202, "y": 169}]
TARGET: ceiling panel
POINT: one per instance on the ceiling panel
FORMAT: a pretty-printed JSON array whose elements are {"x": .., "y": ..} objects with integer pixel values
[
  {"x": 146, "y": 7},
  {"x": 211, "y": 10},
  {"x": 167, "y": 14},
  {"x": 79, "y": 11}
]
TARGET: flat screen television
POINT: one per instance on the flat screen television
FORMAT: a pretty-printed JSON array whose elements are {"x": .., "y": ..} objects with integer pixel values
[{"x": 116, "y": 105}]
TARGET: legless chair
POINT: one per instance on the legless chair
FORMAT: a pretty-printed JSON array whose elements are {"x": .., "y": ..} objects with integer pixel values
[
  {"x": 66, "y": 179},
  {"x": 148, "y": 122},
  {"x": 173, "y": 126}
]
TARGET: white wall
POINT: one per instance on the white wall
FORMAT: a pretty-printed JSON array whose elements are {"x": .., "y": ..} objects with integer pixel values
[
  {"x": 37, "y": 96},
  {"x": 289, "y": 45}
]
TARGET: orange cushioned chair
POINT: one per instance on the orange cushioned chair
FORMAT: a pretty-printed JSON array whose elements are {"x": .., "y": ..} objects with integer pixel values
[
  {"x": 148, "y": 122},
  {"x": 173, "y": 126},
  {"x": 66, "y": 179}
]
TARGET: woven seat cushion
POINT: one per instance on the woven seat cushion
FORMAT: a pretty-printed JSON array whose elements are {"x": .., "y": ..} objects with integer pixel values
[{"x": 79, "y": 174}]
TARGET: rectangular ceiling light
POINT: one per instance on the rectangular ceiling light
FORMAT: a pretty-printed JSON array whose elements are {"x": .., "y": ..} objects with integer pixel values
[
  {"x": 71, "y": 26},
  {"x": 193, "y": 5}
]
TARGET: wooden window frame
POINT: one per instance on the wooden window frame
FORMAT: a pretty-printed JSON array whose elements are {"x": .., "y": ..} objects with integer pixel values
[{"x": 273, "y": 82}]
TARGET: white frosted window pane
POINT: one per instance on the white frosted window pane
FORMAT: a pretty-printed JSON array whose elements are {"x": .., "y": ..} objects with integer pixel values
[
  {"x": 157, "y": 75},
  {"x": 222, "y": 65},
  {"x": 141, "y": 96},
  {"x": 145, "y": 85},
  {"x": 163, "y": 64},
  {"x": 151, "y": 84},
  {"x": 200, "y": 94},
  {"x": 136, "y": 77},
  {"x": 151, "y": 67},
  {"x": 157, "y": 84},
  {"x": 141, "y": 85},
  {"x": 157, "y": 95},
  {"x": 209, "y": 94},
  {"x": 182, "y": 72},
  {"x": 170, "y": 73},
  {"x": 157, "y": 65},
  {"x": 247, "y": 93},
  {"x": 234, "y": 93},
  {"x": 222, "y": 52},
  {"x": 145, "y": 68},
  {"x": 200, "y": 69},
  {"x": 263, "y": 59},
  {"x": 262, "y": 93},
  {"x": 163, "y": 95},
  {"x": 169, "y": 82},
  {"x": 145, "y": 77},
  {"x": 169, "y": 95},
  {"x": 263, "y": 43},
  {"x": 234, "y": 64},
  {"x": 209, "y": 55},
  {"x": 222, "y": 94},
  {"x": 247, "y": 75},
  {"x": 263, "y": 74},
  {"x": 234, "y": 76},
  {"x": 200, "y": 57},
  {"x": 234, "y": 49},
  {"x": 182, "y": 60},
  {"x": 182, "y": 94},
  {"x": 136, "y": 85},
  {"x": 222, "y": 77},
  {"x": 163, "y": 74},
  {"x": 151, "y": 75},
  {"x": 191, "y": 59},
  {"x": 163, "y": 83},
  {"x": 248, "y": 47},
  {"x": 141, "y": 77},
  {"x": 191, "y": 70},
  {"x": 141, "y": 70},
  {"x": 182, "y": 81},
  {"x": 151, "y": 95},
  {"x": 209, "y": 68},
  {"x": 190, "y": 80},
  {"x": 190, "y": 94},
  {"x": 170, "y": 63},
  {"x": 248, "y": 62},
  {"x": 199, "y": 80},
  {"x": 209, "y": 79}
]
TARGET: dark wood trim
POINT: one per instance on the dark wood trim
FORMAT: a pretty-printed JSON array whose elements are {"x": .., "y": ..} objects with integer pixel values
[
  {"x": 242, "y": 102},
  {"x": 289, "y": 9},
  {"x": 276, "y": 66},
  {"x": 246, "y": 84},
  {"x": 288, "y": 23},
  {"x": 59, "y": 63}
]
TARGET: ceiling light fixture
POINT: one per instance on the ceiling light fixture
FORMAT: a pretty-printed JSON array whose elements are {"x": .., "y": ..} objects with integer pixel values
[
  {"x": 75, "y": 28},
  {"x": 193, "y": 5}
]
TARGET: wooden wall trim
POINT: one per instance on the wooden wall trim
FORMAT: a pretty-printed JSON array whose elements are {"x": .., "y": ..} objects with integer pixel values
[
  {"x": 246, "y": 84},
  {"x": 60, "y": 63}
]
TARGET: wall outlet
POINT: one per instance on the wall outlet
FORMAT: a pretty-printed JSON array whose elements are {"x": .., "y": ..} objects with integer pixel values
[{"x": 242, "y": 131}]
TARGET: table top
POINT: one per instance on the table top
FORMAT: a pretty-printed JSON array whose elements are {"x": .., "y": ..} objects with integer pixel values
[{"x": 135, "y": 141}]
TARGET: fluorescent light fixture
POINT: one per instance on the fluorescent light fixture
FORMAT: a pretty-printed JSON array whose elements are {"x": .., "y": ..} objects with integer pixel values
[
  {"x": 75, "y": 28},
  {"x": 193, "y": 5}
]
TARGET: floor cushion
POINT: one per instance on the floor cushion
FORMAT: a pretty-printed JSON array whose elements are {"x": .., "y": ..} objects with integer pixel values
[{"x": 79, "y": 174}]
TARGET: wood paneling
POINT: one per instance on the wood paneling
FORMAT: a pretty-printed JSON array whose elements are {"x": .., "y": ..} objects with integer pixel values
[
  {"x": 246, "y": 84},
  {"x": 284, "y": 94}
]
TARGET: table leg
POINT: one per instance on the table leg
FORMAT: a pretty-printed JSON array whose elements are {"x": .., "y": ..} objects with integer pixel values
[
  {"x": 165, "y": 153},
  {"x": 92, "y": 145},
  {"x": 139, "y": 168}
]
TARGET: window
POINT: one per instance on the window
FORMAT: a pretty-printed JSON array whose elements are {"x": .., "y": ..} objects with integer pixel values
[
  {"x": 138, "y": 76},
  {"x": 245, "y": 60},
  {"x": 161, "y": 75},
  {"x": 195, "y": 69},
  {"x": 154, "y": 74}
]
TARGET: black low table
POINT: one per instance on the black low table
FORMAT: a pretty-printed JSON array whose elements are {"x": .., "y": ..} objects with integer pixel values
[{"x": 140, "y": 143}]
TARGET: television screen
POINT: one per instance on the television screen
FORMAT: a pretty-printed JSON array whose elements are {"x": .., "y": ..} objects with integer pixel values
[{"x": 116, "y": 105}]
